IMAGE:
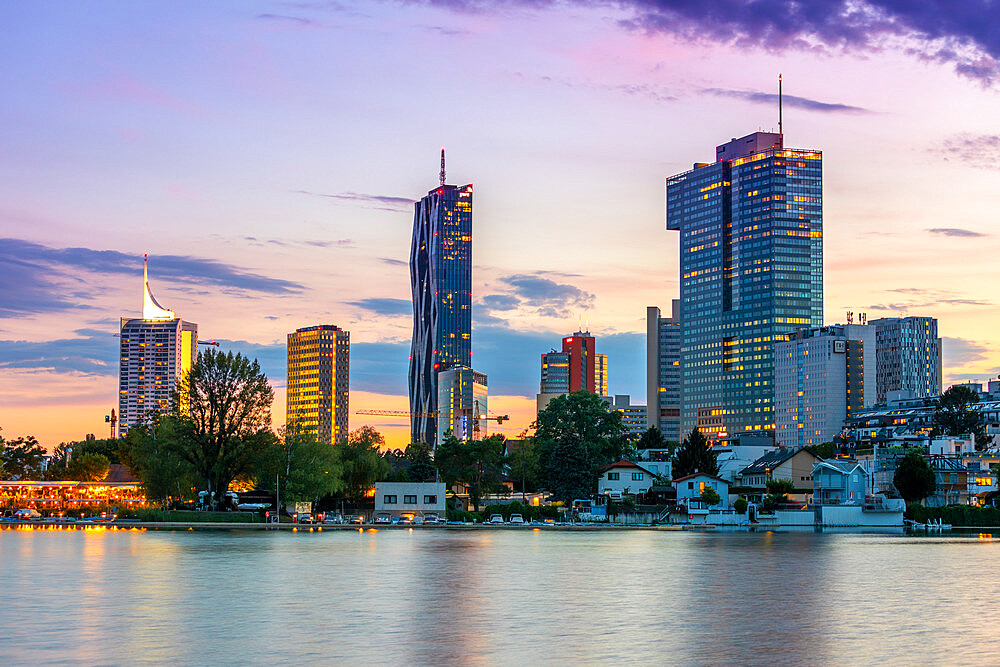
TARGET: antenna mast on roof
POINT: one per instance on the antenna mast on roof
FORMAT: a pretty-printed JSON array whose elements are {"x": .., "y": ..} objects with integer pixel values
[
  {"x": 442, "y": 166},
  {"x": 780, "y": 130}
]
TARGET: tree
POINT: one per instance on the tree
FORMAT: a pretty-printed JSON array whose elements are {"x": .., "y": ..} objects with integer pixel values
[
  {"x": 89, "y": 467},
  {"x": 777, "y": 493},
  {"x": 914, "y": 478},
  {"x": 954, "y": 416},
  {"x": 305, "y": 468},
  {"x": 694, "y": 456},
  {"x": 21, "y": 459},
  {"x": 823, "y": 450},
  {"x": 522, "y": 460},
  {"x": 420, "y": 461},
  {"x": 652, "y": 438},
  {"x": 361, "y": 461},
  {"x": 576, "y": 435},
  {"x": 710, "y": 496},
  {"x": 478, "y": 464},
  {"x": 220, "y": 420},
  {"x": 155, "y": 464}
]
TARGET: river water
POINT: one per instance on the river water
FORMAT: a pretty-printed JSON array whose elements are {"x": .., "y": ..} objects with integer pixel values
[{"x": 496, "y": 597}]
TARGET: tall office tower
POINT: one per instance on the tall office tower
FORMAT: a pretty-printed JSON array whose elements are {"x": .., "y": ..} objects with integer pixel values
[
  {"x": 909, "y": 357},
  {"x": 462, "y": 403},
  {"x": 663, "y": 371},
  {"x": 822, "y": 376},
  {"x": 156, "y": 351},
  {"x": 318, "y": 377},
  {"x": 751, "y": 271},
  {"x": 441, "y": 281},
  {"x": 577, "y": 368},
  {"x": 601, "y": 374}
]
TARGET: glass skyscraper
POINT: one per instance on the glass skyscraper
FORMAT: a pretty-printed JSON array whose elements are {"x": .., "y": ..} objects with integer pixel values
[
  {"x": 751, "y": 271},
  {"x": 908, "y": 357},
  {"x": 663, "y": 371},
  {"x": 441, "y": 281}
]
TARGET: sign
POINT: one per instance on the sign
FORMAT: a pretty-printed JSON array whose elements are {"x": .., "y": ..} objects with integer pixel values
[{"x": 840, "y": 346}]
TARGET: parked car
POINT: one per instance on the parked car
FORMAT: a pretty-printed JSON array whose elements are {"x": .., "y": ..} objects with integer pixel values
[
  {"x": 496, "y": 519},
  {"x": 382, "y": 518},
  {"x": 431, "y": 519},
  {"x": 306, "y": 517},
  {"x": 103, "y": 517},
  {"x": 333, "y": 518},
  {"x": 358, "y": 519},
  {"x": 516, "y": 520},
  {"x": 27, "y": 514}
]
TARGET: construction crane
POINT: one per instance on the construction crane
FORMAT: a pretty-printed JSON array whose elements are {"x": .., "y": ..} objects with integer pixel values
[{"x": 499, "y": 419}]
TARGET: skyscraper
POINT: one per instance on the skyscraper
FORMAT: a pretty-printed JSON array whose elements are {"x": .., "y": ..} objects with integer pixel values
[
  {"x": 462, "y": 395},
  {"x": 441, "y": 282},
  {"x": 908, "y": 357},
  {"x": 577, "y": 367},
  {"x": 663, "y": 371},
  {"x": 318, "y": 377},
  {"x": 156, "y": 351},
  {"x": 751, "y": 271}
]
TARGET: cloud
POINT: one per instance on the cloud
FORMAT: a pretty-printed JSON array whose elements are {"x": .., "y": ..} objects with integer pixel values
[
  {"x": 393, "y": 262},
  {"x": 283, "y": 18},
  {"x": 382, "y": 202},
  {"x": 962, "y": 351},
  {"x": 926, "y": 299},
  {"x": 976, "y": 150},
  {"x": 339, "y": 243},
  {"x": 788, "y": 100},
  {"x": 501, "y": 301},
  {"x": 385, "y": 307},
  {"x": 92, "y": 353},
  {"x": 955, "y": 231}
]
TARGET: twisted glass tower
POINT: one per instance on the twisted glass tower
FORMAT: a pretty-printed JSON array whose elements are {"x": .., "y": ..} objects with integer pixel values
[{"x": 441, "y": 281}]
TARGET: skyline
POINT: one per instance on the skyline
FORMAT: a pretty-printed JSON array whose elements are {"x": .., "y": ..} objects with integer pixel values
[{"x": 262, "y": 184}]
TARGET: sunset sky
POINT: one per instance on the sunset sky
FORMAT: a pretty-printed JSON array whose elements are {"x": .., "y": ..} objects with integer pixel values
[{"x": 266, "y": 156}]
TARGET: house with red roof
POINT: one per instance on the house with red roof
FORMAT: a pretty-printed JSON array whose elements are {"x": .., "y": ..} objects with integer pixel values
[{"x": 624, "y": 478}]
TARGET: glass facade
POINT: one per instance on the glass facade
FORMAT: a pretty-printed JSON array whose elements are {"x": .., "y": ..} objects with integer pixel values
[
  {"x": 555, "y": 373},
  {"x": 751, "y": 271},
  {"x": 441, "y": 283},
  {"x": 462, "y": 401},
  {"x": 908, "y": 356},
  {"x": 663, "y": 372},
  {"x": 318, "y": 376}
]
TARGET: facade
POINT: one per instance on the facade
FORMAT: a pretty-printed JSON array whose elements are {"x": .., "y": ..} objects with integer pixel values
[
  {"x": 461, "y": 403},
  {"x": 318, "y": 377},
  {"x": 410, "y": 498},
  {"x": 795, "y": 465},
  {"x": 555, "y": 373},
  {"x": 624, "y": 478},
  {"x": 751, "y": 270},
  {"x": 582, "y": 362},
  {"x": 663, "y": 371},
  {"x": 441, "y": 282},
  {"x": 690, "y": 487},
  {"x": 601, "y": 374},
  {"x": 156, "y": 350},
  {"x": 577, "y": 367},
  {"x": 839, "y": 482},
  {"x": 909, "y": 357},
  {"x": 633, "y": 416},
  {"x": 822, "y": 376}
]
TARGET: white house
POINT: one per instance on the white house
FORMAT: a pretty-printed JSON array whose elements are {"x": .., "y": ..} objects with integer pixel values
[
  {"x": 690, "y": 488},
  {"x": 623, "y": 478},
  {"x": 414, "y": 498}
]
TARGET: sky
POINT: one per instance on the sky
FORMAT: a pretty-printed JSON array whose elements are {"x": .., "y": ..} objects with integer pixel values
[{"x": 266, "y": 155}]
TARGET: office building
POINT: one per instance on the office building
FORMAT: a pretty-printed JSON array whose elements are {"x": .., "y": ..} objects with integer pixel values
[
  {"x": 318, "y": 377},
  {"x": 823, "y": 376},
  {"x": 751, "y": 271},
  {"x": 577, "y": 367},
  {"x": 462, "y": 407},
  {"x": 441, "y": 281},
  {"x": 633, "y": 416},
  {"x": 157, "y": 349},
  {"x": 663, "y": 371},
  {"x": 909, "y": 357}
]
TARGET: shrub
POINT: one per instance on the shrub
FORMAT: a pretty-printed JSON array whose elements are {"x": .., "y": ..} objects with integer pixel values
[{"x": 740, "y": 505}]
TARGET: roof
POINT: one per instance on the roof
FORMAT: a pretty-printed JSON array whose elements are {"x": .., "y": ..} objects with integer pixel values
[
  {"x": 772, "y": 460},
  {"x": 625, "y": 464},
  {"x": 843, "y": 466},
  {"x": 700, "y": 474},
  {"x": 119, "y": 473}
]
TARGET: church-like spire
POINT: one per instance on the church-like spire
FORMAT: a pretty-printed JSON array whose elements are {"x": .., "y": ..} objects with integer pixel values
[
  {"x": 151, "y": 310},
  {"x": 441, "y": 175}
]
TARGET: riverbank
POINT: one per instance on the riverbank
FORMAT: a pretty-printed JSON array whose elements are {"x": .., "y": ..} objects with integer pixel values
[{"x": 293, "y": 527}]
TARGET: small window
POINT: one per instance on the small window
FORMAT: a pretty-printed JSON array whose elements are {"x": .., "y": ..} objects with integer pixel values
[
  {"x": 691, "y": 486},
  {"x": 612, "y": 477},
  {"x": 389, "y": 500},
  {"x": 430, "y": 500},
  {"x": 409, "y": 500},
  {"x": 636, "y": 476}
]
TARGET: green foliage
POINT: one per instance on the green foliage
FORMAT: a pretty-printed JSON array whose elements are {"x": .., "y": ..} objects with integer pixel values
[
  {"x": 956, "y": 515},
  {"x": 694, "y": 456},
  {"x": 478, "y": 464},
  {"x": 21, "y": 458},
  {"x": 187, "y": 516},
  {"x": 162, "y": 472},
  {"x": 522, "y": 461},
  {"x": 740, "y": 505},
  {"x": 777, "y": 493},
  {"x": 914, "y": 478},
  {"x": 652, "y": 438},
  {"x": 361, "y": 461},
  {"x": 305, "y": 468},
  {"x": 710, "y": 496},
  {"x": 420, "y": 461},
  {"x": 822, "y": 451},
  {"x": 576, "y": 435},
  {"x": 953, "y": 414},
  {"x": 89, "y": 467}
]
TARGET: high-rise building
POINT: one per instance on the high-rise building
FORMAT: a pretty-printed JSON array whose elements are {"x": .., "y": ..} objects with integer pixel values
[
  {"x": 441, "y": 281},
  {"x": 577, "y": 367},
  {"x": 633, "y": 416},
  {"x": 601, "y": 374},
  {"x": 751, "y": 271},
  {"x": 318, "y": 378},
  {"x": 822, "y": 377},
  {"x": 156, "y": 351},
  {"x": 663, "y": 371},
  {"x": 462, "y": 406},
  {"x": 909, "y": 357}
]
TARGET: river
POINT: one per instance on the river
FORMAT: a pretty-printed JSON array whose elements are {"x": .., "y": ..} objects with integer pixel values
[{"x": 496, "y": 597}]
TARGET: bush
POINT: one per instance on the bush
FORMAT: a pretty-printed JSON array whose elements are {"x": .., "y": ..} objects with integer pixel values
[
  {"x": 956, "y": 515},
  {"x": 740, "y": 505},
  {"x": 188, "y": 516}
]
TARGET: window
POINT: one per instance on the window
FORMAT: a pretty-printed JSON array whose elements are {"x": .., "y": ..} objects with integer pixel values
[
  {"x": 690, "y": 486},
  {"x": 388, "y": 500},
  {"x": 612, "y": 477},
  {"x": 636, "y": 476},
  {"x": 430, "y": 500},
  {"x": 409, "y": 500}
]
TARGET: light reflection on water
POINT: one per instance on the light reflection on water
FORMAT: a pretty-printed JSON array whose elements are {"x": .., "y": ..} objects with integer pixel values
[{"x": 507, "y": 597}]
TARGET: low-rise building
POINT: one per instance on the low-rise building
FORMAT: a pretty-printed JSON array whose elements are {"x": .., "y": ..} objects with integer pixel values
[
  {"x": 410, "y": 498},
  {"x": 839, "y": 482},
  {"x": 690, "y": 487},
  {"x": 656, "y": 461},
  {"x": 795, "y": 465},
  {"x": 624, "y": 478}
]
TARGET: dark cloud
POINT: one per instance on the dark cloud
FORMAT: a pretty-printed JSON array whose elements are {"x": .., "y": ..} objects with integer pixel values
[
  {"x": 385, "y": 307},
  {"x": 381, "y": 202},
  {"x": 25, "y": 290},
  {"x": 393, "y": 262},
  {"x": 922, "y": 298},
  {"x": 962, "y": 351},
  {"x": 536, "y": 290},
  {"x": 94, "y": 352},
  {"x": 788, "y": 100},
  {"x": 976, "y": 150},
  {"x": 284, "y": 18},
  {"x": 501, "y": 301},
  {"x": 956, "y": 231}
]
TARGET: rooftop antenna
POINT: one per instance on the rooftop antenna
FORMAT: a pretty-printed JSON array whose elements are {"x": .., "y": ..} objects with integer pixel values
[
  {"x": 441, "y": 175},
  {"x": 781, "y": 131}
]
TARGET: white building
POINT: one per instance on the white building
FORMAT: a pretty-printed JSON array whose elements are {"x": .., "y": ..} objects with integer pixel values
[
  {"x": 412, "y": 498},
  {"x": 624, "y": 478},
  {"x": 821, "y": 377}
]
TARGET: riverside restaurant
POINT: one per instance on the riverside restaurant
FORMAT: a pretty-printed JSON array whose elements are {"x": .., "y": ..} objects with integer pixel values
[{"x": 69, "y": 495}]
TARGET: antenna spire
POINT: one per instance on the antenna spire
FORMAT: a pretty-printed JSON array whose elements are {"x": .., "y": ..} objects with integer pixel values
[
  {"x": 441, "y": 175},
  {"x": 781, "y": 131}
]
